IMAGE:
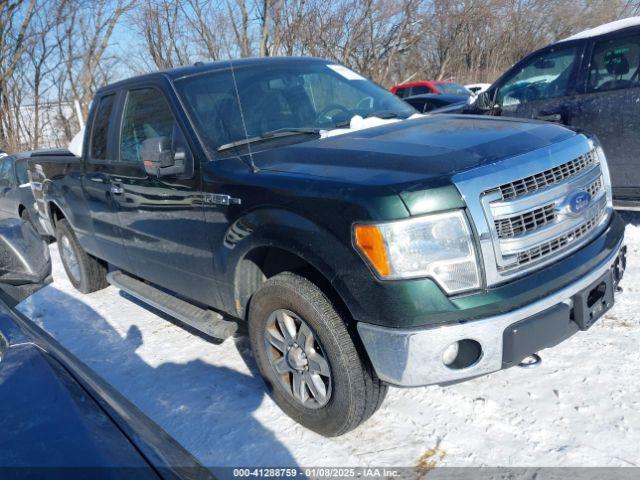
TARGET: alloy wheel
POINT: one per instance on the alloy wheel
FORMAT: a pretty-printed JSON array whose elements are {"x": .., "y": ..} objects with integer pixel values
[{"x": 297, "y": 359}]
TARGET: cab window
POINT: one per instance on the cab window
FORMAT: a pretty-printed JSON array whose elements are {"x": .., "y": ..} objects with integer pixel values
[
  {"x": 100, "y": 129},
  {"x": 615, "y": 64},
  {"x": 146, "y": 115},
  {"x": 544, "y": 76},
  {"x": 22, "y": 172},
  {"x": 5, "y": 172}
]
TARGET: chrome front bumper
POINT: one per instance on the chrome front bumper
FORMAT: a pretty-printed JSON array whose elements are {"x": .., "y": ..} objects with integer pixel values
[{"x": 413, "y": 357}]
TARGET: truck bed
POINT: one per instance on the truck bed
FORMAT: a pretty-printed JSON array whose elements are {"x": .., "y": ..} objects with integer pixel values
[{"x": 47, "y": 166}]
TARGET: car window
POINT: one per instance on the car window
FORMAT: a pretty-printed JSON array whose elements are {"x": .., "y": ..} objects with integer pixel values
[
  {"x": 22, "y": 172},
  {"x": 100, "y": 129},
  {"x": 428, "y": 106},
  {"x": 417, "y": 103},
  {"x": 5, "y": 171},
  {"x": 615, "y": 64},
  {"x": 146, "y": 115},
  {"x": 403, "y": 92},
  {"x": 419, "y": 90},
  {"x": 544, "y": 76}
]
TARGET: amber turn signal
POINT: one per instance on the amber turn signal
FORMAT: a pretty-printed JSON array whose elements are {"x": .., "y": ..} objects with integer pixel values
[{"x": 370, "y": 242}]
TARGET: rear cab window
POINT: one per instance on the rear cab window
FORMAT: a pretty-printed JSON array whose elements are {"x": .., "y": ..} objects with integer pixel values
[
  {"x": 22, "y": 172},
  {"x": 100, "y": 130},
  {"x": 5, "y": 171}
]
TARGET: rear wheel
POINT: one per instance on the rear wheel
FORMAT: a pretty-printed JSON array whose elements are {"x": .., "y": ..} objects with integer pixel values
[
  {"x": 308, "y": 358},
  {"x": 86, "y": 273}
]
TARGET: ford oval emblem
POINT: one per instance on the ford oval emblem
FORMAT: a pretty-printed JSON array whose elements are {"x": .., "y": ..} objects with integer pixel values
[{"x": 579, "y": 201}]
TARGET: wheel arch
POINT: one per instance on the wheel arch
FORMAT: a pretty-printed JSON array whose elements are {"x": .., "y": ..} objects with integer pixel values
[
  {"x": 55, "y": 213},
  {"x": 274, "y": 241}
]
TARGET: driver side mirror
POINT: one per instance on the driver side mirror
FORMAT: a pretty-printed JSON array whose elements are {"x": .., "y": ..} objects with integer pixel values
[
  {"x": 485, "y": 100},
  {"x": 160, "y": 160}
]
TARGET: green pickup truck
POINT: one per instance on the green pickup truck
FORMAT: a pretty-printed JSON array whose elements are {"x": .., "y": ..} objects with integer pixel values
[{"x": 365, "y": 245}]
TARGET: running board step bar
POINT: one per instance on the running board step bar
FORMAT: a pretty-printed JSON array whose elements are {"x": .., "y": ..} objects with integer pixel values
[{"x": 205, "y": 321}]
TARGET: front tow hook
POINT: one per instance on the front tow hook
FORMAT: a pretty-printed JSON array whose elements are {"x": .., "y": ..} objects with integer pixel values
[{"x": 532, "y": 361}]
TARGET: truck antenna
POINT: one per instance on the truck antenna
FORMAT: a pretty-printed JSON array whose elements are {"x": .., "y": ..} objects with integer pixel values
[{"x": 254, "y": 169}]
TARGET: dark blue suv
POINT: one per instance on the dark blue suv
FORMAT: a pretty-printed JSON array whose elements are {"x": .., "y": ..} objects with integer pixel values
[{"x": 589, "y": 81}]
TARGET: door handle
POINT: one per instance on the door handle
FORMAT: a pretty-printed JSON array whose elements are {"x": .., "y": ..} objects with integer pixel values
[
  {"x": 550, "y": 117},
  {"x": 116, "y": 190}
]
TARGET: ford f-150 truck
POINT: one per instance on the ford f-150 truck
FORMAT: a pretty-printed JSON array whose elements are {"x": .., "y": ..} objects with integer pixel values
[{"x": 365, "y": 245}]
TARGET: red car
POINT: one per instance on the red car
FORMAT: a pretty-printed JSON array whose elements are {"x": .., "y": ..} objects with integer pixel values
[{"x": 429, "y": 86}]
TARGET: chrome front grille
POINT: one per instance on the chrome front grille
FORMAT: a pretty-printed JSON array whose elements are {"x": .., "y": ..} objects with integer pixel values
[
  {"x": 552, "y": 176},
  {"x": 532, "y": 209},
  {"x": 534, "y": 219}
]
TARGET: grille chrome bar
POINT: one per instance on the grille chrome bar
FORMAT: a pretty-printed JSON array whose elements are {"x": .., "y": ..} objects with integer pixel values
[
  {"x": 505, "y": 209},
  {"x": 523, "y": 223},
  {"x": 559, "y": 243},
  {"x": 547, "y": 178}
]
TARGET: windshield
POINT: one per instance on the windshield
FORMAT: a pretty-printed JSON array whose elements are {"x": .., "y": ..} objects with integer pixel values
[
  {"x": 452, "y": 89},
  {"x": 302, "y": 97}
]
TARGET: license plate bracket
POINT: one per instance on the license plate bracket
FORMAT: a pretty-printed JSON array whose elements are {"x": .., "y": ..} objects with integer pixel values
[{"x": 594, "y": 301}]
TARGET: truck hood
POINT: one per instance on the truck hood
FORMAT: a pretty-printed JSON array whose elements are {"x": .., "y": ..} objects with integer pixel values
[{"x": 412, "y": 155}]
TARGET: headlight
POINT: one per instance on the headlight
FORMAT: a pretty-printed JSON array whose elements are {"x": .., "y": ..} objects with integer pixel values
[
  {"x": 439, "y": 246},
  {"x": 604, "y": 167}
]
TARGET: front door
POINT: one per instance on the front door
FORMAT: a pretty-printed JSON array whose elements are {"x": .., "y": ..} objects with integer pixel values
[
  {"x": 162, "y": 218},
  {"x": 610, "y": 108}
]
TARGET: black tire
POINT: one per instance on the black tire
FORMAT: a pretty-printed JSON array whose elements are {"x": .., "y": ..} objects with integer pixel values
[
  {"x": 89, "y": 275},
  {"x": 355, "y": 392}
]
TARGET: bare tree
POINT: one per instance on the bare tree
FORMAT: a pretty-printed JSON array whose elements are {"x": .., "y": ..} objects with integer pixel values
[
  {"x": 57, "y": 52},
  {"x": 15, "y": 20},
  {"x": 83, "y": 40}
]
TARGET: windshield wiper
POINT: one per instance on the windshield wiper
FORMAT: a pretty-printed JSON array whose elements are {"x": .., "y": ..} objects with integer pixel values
[
  {"x": 281, "y": 132},
  {"x": 384, "y": 114}
]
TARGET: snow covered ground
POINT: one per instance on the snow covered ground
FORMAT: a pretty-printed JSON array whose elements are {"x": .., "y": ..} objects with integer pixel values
[{"x": 581, "y": 407}]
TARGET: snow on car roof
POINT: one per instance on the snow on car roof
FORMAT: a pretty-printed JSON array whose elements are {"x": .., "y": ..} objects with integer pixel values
[{"x": 606, "y": 28}]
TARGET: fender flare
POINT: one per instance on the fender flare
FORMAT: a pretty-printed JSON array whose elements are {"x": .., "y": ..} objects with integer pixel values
[{"x": 291, "y": 232}]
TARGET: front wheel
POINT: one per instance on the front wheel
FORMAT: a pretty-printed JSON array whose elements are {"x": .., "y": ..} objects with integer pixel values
[
  {"x": 86, "y": 273},
  {"x": 308, "y": 358}
]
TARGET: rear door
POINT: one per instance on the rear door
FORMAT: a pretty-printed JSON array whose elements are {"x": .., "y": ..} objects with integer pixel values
[
  {"x": 162, "y": 218},
  {"x": 542, "y": 86},
  {"x": 610, "y": 107},
  {"x": 99, "y": 164}
]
